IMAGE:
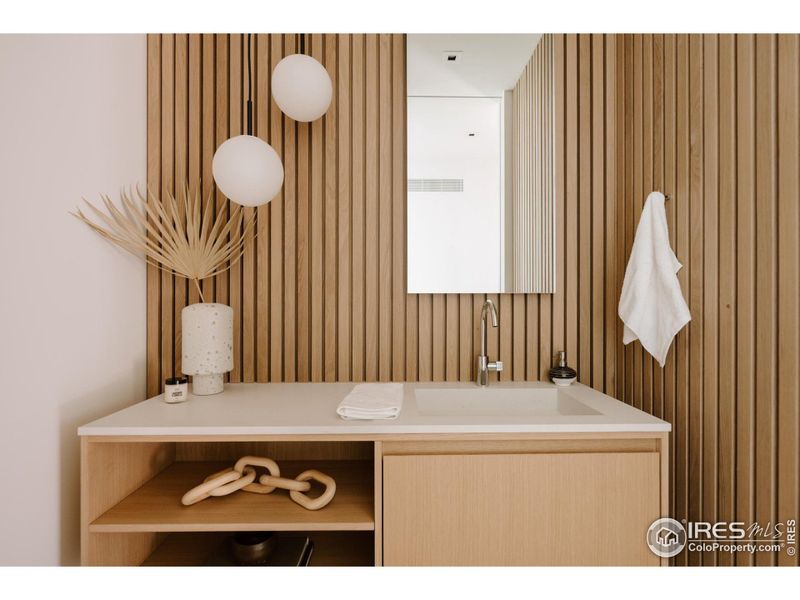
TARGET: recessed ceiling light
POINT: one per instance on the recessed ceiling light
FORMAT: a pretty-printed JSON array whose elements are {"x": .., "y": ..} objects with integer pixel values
[{"x": 452, "y": 56}]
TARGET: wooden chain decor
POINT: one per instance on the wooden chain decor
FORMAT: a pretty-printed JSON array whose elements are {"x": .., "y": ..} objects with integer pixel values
[{"x": 243, "y": 477}]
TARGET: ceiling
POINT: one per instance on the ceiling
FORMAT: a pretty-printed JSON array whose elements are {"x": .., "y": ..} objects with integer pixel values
[{"x": 488, "y": 64}]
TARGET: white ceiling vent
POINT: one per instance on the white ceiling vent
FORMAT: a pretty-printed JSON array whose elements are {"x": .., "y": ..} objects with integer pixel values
[
  {"x": 435, "y": 185},
  {"x": 452, "y": 57}
]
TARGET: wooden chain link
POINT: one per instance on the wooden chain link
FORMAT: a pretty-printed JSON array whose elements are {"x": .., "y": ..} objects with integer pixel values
[{"x": 243, "y": 476}]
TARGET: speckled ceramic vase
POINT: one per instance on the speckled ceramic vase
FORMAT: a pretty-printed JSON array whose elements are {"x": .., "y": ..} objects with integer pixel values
[{"x": 207, "y": 346}]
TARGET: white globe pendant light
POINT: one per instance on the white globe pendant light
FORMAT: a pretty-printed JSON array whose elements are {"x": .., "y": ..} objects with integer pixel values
[
  {"x": 246, "y": 168},
  {"x": 301, "y": 86}
]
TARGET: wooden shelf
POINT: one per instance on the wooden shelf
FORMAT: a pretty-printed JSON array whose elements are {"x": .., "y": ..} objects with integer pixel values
[
  {"x": 156, "y": 506},
  {"x": 331, "y": 549}
]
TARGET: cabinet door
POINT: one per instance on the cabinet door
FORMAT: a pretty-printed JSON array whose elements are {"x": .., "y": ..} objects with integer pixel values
[{"x": 520, "y": 509}]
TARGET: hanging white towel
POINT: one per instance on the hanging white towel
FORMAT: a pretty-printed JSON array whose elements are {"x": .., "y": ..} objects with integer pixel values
[
  {"x": 372, "y": 401},
  {"x": 651, "y": 304}
]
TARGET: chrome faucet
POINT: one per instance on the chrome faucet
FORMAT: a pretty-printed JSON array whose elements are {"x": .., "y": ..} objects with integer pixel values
[{"x": 484, "y": 366}]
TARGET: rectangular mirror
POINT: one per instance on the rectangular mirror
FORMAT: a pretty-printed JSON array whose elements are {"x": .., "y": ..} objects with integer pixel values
[{"x": 481, "y": 163}]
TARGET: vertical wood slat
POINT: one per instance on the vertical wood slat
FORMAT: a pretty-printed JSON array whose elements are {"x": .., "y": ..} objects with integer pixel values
[
  {"x": 727, "y": 284},
  {"x": 745, "y": 276},
  {"x": 712, "y": 121},
  {"x": 584, "y": 224},
  {"x": 317, "y": 243},
  {"x": 331, "y": 217},
  {"x": 398, "y": 98},
  {"x": 541, "y": 315},
  {"x": 235, "y": 110},
  {"x": 681, "y": 198},
  {"x": 289, "y": 236},
  {"x": 611, "y": 166},
  {"x": 597, "y": 195},
  {"x": 181, "y": 145},
  {"x": 304, "y": 247},
  {"x": 276, "y": 229},
  {"x": 358, "y": 208},
  {"x": 619, "y": 179},
  {"x": 670, "y": 183},
  {"x": 788, "y": 317},
  {"x": 657, "y": 75},
  {"x": 635, "y": 199},
  {"x": 557, "y": 316},
  {"x": 249, "y": 257},
  {"x": 154, "y": 333},
  {"x": 385, "y": 207},
  {"x": 710, "y": 282},
  {"x": 195, "y": 129},
  {"x": 451, "y": 342},
  {"x": 626, "y": 179},
  {"x": 766, "y": 293},
  {"x": 646, "y": 182},
  {"x": 570, "y": 201},
  {"x": 371, "y": 202},
  {"x": 167, "y": 187},
  {"x": 344, "y": 237},
  {"x": 695, "y": 296},
  {"x": 261, "y": 112},
  {"x": 505, "y": 326},
  {"x": 439, "y": 337},
  {"x": 208, "y": 133},
  {"x": 222, "y": 107}
]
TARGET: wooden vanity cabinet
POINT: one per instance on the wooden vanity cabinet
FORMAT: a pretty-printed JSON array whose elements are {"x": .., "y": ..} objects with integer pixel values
[
  {"x": 585, "y": 501},
  {"x": 423, "y": 499}
]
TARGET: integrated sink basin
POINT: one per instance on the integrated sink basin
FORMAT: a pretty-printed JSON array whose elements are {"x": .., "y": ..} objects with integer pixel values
[{"x": 498, "y": 401}]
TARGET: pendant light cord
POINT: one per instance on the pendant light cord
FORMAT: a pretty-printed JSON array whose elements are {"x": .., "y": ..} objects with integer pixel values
[{"x": 249, "y": 88}]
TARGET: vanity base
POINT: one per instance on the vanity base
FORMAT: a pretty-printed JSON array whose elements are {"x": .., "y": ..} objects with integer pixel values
[{"x": 417, "y": 499}]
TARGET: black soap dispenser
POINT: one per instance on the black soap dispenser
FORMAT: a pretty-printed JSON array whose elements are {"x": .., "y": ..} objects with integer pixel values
[{"x": 562, "y": 375}]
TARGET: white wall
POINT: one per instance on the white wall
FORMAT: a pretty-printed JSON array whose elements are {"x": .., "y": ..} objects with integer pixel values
[
  {"x": 455, "y": 240},
  {"x": 72, "y": 307}
]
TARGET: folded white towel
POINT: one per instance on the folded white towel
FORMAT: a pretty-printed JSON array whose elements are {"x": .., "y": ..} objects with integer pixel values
[
  {"x": 651, "y": 304},
  {"x": 372, "y": 401}
]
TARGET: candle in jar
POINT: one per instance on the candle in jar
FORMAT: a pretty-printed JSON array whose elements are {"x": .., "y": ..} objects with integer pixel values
[{"x": 176, "y": 389}]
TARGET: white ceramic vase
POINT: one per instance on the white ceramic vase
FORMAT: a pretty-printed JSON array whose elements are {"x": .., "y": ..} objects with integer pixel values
[{"x": 207, "y": 345}]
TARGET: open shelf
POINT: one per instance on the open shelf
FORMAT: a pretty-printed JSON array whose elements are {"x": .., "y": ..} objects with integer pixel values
[
  {"x": 156, "y": 506},
  {"x": 331, "y": 549}
]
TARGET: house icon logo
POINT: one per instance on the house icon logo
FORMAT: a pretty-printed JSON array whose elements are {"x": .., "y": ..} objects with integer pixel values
[{"x": 666, "y": 537}]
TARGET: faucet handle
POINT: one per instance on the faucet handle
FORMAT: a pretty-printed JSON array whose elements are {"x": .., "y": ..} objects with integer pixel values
[{"x": 495, "y": 366}]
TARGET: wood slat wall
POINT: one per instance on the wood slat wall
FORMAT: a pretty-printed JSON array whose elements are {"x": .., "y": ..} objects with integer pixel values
[
  {"x": 320, "y": 295},
  {"x": 714, "y": 121},
  {"x": 533, "y": 174}
]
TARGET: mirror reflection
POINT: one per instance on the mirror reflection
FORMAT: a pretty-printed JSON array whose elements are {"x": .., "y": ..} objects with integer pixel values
[{"x": 480, "y": 166}]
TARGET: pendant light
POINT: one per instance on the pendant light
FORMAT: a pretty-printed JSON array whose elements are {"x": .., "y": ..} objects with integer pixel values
[
  {"x": 245, "y": 167},
  {"x": 301, "y": 86}
]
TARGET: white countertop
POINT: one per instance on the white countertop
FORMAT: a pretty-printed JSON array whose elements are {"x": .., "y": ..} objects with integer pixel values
[{"x": 310, "y": 409}]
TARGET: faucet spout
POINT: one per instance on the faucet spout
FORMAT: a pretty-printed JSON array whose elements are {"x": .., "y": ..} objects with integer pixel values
[
  {"x": 484, "y": 366},
  {"x": 489, "y": 307},
  {"x": 492, "y": 309}
]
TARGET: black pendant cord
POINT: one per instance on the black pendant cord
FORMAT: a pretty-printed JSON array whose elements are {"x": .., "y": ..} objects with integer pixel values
[
  {"x": 249, "y": 88},
  {"x": 302, "y": 43}
]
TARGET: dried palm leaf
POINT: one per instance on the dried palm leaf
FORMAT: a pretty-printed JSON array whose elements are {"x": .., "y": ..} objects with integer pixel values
[{"x": 178, "y": 236}]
